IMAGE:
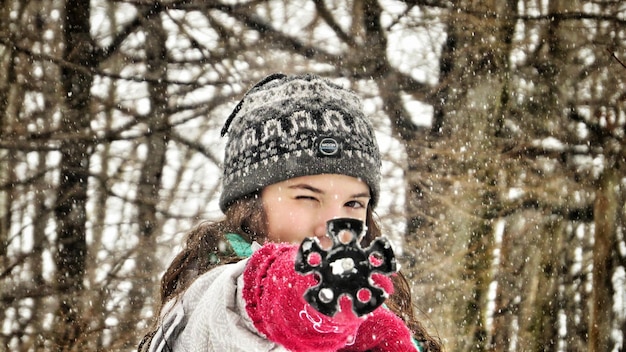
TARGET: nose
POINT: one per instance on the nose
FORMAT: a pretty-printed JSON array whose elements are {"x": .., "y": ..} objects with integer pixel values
[
  {"x": 320, "y": 229},
  {"x": 326, "y": 213}
]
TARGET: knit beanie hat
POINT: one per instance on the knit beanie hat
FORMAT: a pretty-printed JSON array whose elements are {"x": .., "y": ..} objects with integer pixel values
[{"x": 292, "y": 126}]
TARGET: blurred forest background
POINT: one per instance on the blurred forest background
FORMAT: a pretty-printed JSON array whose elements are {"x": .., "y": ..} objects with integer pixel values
[{"x": 502, "y": 124}]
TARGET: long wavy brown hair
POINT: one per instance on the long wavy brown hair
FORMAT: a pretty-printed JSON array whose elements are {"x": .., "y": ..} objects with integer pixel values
[{"x": 206, "y": 247}]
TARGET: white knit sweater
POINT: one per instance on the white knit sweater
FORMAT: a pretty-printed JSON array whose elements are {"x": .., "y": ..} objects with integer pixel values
[{"x": 211, "y": 317}]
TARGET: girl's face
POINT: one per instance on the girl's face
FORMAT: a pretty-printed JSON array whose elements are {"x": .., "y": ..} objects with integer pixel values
[{"x": 301, "y": 206}]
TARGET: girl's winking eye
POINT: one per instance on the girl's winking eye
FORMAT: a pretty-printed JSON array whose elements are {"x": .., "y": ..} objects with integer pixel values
[{"x": 305, "y": 197}]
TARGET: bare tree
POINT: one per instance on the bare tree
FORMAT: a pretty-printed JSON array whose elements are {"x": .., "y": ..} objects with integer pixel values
[{"x": 511, "y": 212}]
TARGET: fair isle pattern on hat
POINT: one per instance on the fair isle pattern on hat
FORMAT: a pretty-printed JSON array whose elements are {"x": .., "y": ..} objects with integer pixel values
[{"x": 291, "y": 126}]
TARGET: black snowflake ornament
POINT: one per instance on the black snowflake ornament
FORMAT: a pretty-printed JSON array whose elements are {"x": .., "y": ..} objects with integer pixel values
[{"x": 346, "y": 268}]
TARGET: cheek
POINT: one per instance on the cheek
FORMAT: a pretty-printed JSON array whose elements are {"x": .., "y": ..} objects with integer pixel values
[
  {"x": 292, "y": 220},
  {"x": 359, "y": 213},
  {"x": 288, "y": 225},
  {"x": 282, "y": 219}
]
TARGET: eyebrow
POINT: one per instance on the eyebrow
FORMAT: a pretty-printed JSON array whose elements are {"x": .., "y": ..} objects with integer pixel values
[{"x": 319, "y": 191}]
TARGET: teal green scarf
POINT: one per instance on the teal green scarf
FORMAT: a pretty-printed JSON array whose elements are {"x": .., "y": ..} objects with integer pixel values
[{"x": 242, "y": 248}]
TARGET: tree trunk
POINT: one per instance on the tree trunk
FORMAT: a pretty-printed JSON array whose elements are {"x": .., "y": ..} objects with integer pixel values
[
  {"x": 144, "y": 284},
  {"x": 7, "y": 113},
  {"x": 477, "y": 274},
  {"x": 543, "y": 321},
  {"x": 69, "y": 209},
  {"x": 606, "y": 214}
]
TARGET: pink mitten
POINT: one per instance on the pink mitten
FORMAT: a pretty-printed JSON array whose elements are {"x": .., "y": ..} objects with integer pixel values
[{"x": 274, "y": 291}]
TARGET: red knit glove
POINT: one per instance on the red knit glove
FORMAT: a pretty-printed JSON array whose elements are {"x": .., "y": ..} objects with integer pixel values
[
  {"x": 383, "y": 331},
  {"x": 274, "y": 291}
]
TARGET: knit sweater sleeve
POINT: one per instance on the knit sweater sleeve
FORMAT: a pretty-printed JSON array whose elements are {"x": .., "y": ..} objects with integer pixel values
[{"x": 273, "y": 292}]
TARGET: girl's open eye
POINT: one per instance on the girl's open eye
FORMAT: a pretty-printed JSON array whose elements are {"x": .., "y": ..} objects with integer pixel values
[{"x": 355, "y": 204}]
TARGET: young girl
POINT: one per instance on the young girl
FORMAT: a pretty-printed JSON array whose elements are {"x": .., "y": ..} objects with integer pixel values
[{"x": 300, "y": 152}]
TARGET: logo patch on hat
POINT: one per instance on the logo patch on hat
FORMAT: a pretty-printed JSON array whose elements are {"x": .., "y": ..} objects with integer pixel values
[{"x": 328, "y": 146}]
